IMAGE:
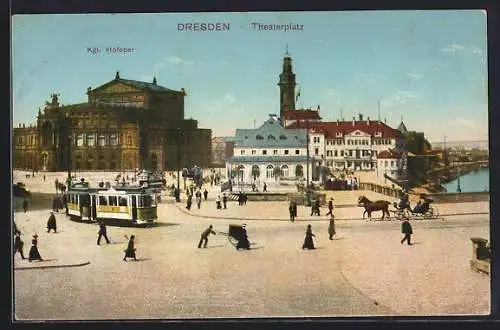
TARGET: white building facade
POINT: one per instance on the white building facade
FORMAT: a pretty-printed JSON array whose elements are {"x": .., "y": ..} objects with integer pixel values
[
  {"x": 269, "y": 153},
  {"x": 355, "y": 145}
]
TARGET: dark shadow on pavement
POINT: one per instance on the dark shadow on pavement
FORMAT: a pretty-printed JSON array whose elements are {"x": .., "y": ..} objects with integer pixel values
[
  {"x": 164, "y": 224},
  {"x": 140, "y": 259},
  {"x": 213, "y": 246}
]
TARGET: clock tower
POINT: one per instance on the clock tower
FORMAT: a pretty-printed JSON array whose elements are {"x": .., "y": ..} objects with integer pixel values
[{"x": 287, "y": 85}]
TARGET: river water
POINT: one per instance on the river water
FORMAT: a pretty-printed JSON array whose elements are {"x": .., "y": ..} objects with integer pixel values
[{"x": 471, "y": 182}]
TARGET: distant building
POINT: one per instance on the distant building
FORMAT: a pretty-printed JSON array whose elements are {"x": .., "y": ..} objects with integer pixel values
[
  {"x": 268, "y": 153},
  {"x": 125, "y": 124},
  {"x": 393, "y": 164}
]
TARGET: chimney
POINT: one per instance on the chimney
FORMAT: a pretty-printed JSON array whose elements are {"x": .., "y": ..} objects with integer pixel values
[
  {"x": 360, "y": 117},
  {"x": 368, "y": 120},
  {"x": 385, "y": 121},
  {"x": 337, "y": 122},
  {"x": 24, "y": 126},
  {"x": 353, "y": 120}
]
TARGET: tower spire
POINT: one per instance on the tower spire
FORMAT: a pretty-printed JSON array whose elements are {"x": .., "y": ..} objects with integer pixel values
[
  {"x": 286, "y": 52},
  {"x": 287, "y": 85}
]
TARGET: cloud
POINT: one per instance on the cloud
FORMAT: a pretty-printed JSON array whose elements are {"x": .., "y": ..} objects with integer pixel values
[
  {"x": 414, "y": 76},
  {"x": 163, "y": 65},
  {"x": 399, "y": 97},
  {"x": 455, "y": 48}
]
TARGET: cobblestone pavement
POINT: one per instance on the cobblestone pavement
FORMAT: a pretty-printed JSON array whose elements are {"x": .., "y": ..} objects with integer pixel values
[{"x": 363, "y": 272}]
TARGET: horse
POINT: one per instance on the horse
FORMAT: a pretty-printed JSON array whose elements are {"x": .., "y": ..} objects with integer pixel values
[{"x": 370, "y": 206}]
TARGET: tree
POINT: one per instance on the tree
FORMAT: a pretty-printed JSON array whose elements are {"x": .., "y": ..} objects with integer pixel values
[{"x": 417, "y": 143}]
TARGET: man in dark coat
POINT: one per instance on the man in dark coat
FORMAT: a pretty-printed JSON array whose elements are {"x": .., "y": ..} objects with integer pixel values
[
  {"x": 330, "y": 207},
  {"x": 265, "y": 187},
  {"x": 189, "y": 202},
  {"x": 51, "y": 223},
  {"x": 291, "y": 211},
  {"x": 102, "y": 233},
  {"x": 224, "y": 200},
  {"x": 205, "y": 194},
  {"x": 243, "y": 242},
  {"x": 18, "y": 245},
  {"x": 407, "y": 230},
  {"x": 204, "y": 236}
]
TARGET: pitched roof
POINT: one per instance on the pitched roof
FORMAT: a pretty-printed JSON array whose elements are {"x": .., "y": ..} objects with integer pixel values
[
  {"x": 146, "y": 85},
  {"x": 388, "y": 154},
  {"x": 402, "y": 128},
  {"x": 142, "y": 85},
  {"x": 300, "y": 114},
  {"x": 268, "y": 159},
  {"x": 270, "y": 135},
  {"x": 330, "y": 129}
]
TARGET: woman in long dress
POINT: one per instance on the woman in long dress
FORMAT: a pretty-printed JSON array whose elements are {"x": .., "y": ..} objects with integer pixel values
[
  {"x": 130, "y": 251},
  {"x": 34, "y": 254},
  {"x": 308, "y": 241}
]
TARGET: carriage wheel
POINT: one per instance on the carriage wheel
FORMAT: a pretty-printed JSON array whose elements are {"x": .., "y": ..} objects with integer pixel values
[{"x": 232, "y": 240}]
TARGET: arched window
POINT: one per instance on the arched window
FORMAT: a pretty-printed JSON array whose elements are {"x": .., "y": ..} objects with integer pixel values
[
  {"x": 255, "y": 172},
  {"x": 79, "y": 140},
  {"x": 101, "y": 140},
  {"x": 270, "y": 171},
  {"x": 90, "y": 140},
  {"x": 259, "y": 137},
  {"x": 299, "y": 171},
  {"x": 241, "y": 172},
  {"x": 271, "y": 137},
  {"x": 113, "y": 140},
  {"x": 282, "y": 137},
  {"x": 285, "y": 171}
]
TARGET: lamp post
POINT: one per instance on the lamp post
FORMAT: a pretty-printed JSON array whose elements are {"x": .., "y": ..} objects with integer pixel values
[{"x": 458, "y": 181}]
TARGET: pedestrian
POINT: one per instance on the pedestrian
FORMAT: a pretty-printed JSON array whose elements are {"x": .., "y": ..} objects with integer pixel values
[
  {"x": 204, "y": 236},
  {"x": 331, "y": 227},
  {"x": 243, "y": 242},
  {"x": 330, "y": 207},
  {"x": 34, "y": 254},
  {"x": 265, "y": 187},
  {"x": 291, "y": 211},
  {"x": 25, "y": 206},
  {"x": 217, "y": 202},
  {"x": 407, "y": 230},
  {"x": 315, "y": 207},
  {"x": 51, "y": 223},
  {"x": 308, "y": 240},
  {"x": 102, "y": 233},
  {"x": 198, "y": 199},
  {"x": 130, "y": 251},
  {"x": 18, "y": 246},
  {"x": 294, "y": 210},
  {"x": 205, "y": 193},
  {"x": 189, "y": 202},
  {"x": 44, "y": 178},
  {"x": 224, "y": 200}
]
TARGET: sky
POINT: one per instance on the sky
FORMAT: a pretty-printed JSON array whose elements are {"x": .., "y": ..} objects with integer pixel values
[{"x": 428, "y": 68}]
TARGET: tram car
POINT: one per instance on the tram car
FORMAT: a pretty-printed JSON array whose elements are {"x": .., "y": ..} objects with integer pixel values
[
  {"x": 151, "y": 179},
  {"x": 130, "y": 204}
]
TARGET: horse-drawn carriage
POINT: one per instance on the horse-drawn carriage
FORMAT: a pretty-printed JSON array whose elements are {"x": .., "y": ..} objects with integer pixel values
[
  {"x": 423, "y": 210},
  {"x": 237, "y": 236}
]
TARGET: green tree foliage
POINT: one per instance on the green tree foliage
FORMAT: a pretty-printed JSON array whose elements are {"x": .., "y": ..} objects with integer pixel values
[{"x": 417, "y": 143}]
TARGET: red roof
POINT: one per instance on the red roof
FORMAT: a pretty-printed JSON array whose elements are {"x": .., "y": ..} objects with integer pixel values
[
  {"x": 300, "y": 114},
  {"x": 330, "y": 129},
  {"x": 388, "y": 154}
]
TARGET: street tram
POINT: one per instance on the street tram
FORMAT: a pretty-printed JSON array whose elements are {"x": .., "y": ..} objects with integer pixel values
[{"x": 125, "y": 203}]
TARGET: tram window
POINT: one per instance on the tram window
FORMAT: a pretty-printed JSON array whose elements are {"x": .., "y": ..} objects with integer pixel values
[
  {"x": 147, "y": 201},
  {"x": 112, "y": 201},
  {"x": 103, "y": 200},
  {"x": 122, "y": 201},
  {"x": 85, "y": 200}
]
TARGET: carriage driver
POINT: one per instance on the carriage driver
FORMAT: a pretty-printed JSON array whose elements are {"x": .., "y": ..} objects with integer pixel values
[{"x": 404, "y": 201}]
